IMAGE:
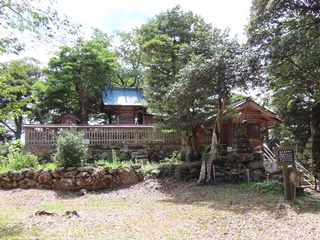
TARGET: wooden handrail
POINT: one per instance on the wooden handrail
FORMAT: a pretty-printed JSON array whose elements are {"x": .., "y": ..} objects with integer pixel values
[{"x": 100, "y": 134}]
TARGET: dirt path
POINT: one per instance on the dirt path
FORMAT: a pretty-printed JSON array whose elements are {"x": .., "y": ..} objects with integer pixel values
[{"x": 159, "y": 209}]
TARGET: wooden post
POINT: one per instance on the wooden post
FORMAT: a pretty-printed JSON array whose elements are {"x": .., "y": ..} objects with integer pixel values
[
  {"x": 286, "y": 182},
  {"x": 214, "y": 172},
  {"x": 248, "y": 175},
  {"x": 286, "y": 156}
]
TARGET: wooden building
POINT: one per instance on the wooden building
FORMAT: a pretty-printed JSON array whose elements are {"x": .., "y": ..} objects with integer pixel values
[
  {"x": 258, "y": 121},
  {"x": 125, "y": 105},
  {"x": 69, "y": 118}
]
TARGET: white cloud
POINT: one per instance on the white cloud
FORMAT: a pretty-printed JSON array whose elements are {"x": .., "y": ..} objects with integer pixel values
[
  {"x": 126, "y": 14},
  {"x": 227, "y": 13}
]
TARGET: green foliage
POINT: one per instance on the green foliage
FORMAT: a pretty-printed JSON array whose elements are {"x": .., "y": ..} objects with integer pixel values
[
  {"x": 205, "y": 155},
  {"x": 19, "y": 161},
  {"x": 27, "y": 21},
  {"x": 129, "y": 68},
  {"x": 71, "y": 152},
  {"x": 191, "y": 69},
  {"x": 76, "y": 77},
  {"x": 289, "y": 50},
  {"x": 12, "y": 157},
  {"x": 115, "y": 162},
  {"x": 272, "y": 187},
  {"x": 174, "y": 158},
  {"x": 19, "y": 84}
]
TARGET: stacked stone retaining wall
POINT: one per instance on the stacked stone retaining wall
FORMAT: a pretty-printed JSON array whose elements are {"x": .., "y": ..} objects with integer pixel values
[
  {"x": 72, "y": 178},
  {"x": 124, "y": 152}
]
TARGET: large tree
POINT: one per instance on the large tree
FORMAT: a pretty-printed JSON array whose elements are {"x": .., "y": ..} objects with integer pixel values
[
  {"x": 161, "y": 40},
  {"x": 77, "y": 76},
  {"x": 19, "y": 84},
  {"x": 129, "y": 68},
  {"x": 286, "y": 36},
  {"x": 26, "y": 21},
  {"x": 191, "y": 68}
]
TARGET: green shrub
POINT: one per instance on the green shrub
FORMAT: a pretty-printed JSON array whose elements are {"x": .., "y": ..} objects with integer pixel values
[
  {"x": 12, "y": 157},
  {"x": 20, "y": 160},
  {"x": 71, "y": 152},
  {"x": 175, "y": 157},
  {"x": 269, "y": 187}
]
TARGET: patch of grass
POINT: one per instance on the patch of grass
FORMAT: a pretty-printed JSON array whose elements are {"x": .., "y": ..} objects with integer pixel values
[
  {"x": 58, "y": 206},
  {"x": 10, "y": 228},
  {"x": 48, "y": 165},
  {"x": 273, "y": 187}
]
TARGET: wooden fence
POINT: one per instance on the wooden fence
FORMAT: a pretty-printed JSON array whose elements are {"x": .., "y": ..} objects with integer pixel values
[{"x": 100, "y": 134}]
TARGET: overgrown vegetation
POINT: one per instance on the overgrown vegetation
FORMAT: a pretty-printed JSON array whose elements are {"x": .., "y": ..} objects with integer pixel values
[
  {"x": 12, "y": 157},
  {"x": 115, "y": 161},
  {"x": 272, "y": 187},
  {"x": 71, "y": 152}
]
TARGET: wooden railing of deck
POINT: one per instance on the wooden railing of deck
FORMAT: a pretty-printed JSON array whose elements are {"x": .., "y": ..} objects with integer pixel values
[{"x": 100, "y": 134}]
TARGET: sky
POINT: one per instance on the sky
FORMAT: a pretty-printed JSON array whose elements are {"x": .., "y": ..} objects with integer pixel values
[{"x": 112, "y": 15}]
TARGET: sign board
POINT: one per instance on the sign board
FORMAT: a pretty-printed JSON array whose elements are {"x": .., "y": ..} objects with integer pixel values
[
  {"x": 285, "y": 154},
  {"x": 86, "y": 141}
]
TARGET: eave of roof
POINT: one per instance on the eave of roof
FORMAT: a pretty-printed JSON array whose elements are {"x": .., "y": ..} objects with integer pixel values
[{"x": 265, "y": 113}]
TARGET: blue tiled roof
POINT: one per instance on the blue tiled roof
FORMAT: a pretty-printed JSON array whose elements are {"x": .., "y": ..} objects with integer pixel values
[{"x": 123, "y": 96}]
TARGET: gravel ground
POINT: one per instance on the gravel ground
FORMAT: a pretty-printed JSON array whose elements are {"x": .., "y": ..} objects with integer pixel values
[{"x": 159, "y": 209}]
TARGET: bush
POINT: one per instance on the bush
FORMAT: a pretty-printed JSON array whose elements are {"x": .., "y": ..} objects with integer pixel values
[
  {"x": 269, "y": 187},
  {"x": 22, "y": 160},
  {"x": 71, "y": 152},
  {"x": 12, "y": 157}
]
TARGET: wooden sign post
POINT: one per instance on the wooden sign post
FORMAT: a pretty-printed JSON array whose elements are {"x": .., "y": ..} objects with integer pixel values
[{"x": 286, "y": 156}]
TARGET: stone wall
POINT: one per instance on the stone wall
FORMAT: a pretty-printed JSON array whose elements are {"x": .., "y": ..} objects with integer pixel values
[
  {"x": 72, "y": 178},
  {"x": 125, "y": 152}
]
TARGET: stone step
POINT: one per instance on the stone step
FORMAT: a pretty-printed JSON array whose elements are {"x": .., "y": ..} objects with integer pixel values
[{"x": 140, "y": 156}]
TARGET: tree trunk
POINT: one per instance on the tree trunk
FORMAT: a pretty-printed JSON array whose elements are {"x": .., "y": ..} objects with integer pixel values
[
  {"x": 18, "y": 123},
  {"x": 206, "y": 165},
  {"x": 186, "y": 149},
  {"x": 83, "y": 102}
]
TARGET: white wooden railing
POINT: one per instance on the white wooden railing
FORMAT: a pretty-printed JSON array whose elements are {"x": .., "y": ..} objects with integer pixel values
[{"x": 100, "y": 134}]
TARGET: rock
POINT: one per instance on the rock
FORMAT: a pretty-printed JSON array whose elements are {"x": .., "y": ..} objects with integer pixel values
[
  {"x": 45, "y": 177},
  {"x": 86, "y": 169},
  {"x": 102, "y": 171},
  {"x": 71, "y": 213},
  {"x": 28, "y": 173},
  {"x": 69, "y": 169},
  {"x": 271, "y": 167},
  {"x": 70, "y": 174},
  {"x": 60, "y": 169},
  {"x": 100, "y": 183},
  {"x": 82, "y": 192},
  {"x": 55, "y": 175},
  {"x": 128, "y": 177},
  {"x": 63, "y": 184},
  {"x": 37, "y": 173},
  {"x": 82, "y": 174},
  {"x": 155, "y": 173},
  {"x": 43, "y": 212},
  {"x": 31, "y": 183}
]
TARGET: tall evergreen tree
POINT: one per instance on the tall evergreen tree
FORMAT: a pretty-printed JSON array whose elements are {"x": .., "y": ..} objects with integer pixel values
[{"x": 286, "y": 36}]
